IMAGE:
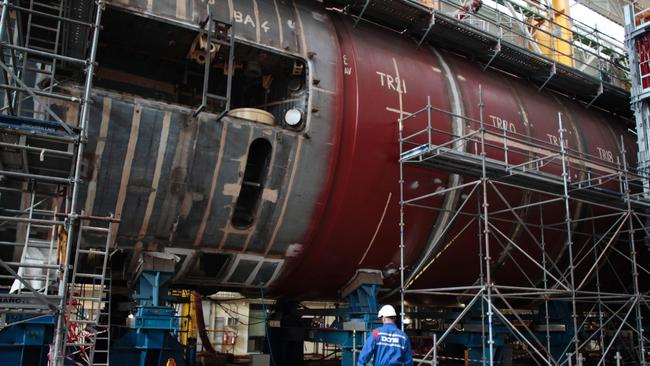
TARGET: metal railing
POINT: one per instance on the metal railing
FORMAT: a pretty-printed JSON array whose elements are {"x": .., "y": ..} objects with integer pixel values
[
  {"x": 523, "y": 25},
  {"x": 517, "y": 153}
]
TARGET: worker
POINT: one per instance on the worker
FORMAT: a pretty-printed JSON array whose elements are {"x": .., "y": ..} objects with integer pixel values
[
  {"x": 388, "y": 344},
  {"x": 467, "y": 8}
]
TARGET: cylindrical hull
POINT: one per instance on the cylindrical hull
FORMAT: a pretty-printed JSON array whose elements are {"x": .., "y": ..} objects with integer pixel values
[{"x": 331, "y": 200}]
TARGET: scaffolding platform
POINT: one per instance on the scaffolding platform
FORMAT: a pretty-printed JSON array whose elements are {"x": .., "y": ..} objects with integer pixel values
[
  {"x": 597, "y": 221},
  {"x": 488, "y": 39},
  {"x": 36, "y": 127},
  {"x": 37, "y": 149},
  {"x": 470, "y": 164}
]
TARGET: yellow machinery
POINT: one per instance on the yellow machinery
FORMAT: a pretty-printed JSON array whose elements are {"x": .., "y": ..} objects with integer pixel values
[
  {"x": 188, "y": 316},
  {"x": 554, "y": 34}
]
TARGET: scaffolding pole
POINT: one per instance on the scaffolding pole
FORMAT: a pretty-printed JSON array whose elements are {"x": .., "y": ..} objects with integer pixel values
[{"x": 62, "y": 326}]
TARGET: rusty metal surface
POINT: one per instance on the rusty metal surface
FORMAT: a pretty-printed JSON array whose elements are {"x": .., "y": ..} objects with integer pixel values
[{"x": 173, "y": 180}]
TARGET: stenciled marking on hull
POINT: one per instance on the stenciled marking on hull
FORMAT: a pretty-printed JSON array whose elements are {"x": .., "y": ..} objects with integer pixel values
[
  {"x": 247, "y": 19},
  {"x": 392, "y": 82},
  {"x": 257, "y": 22},
  {"x": 502, "y": 123},
  {"x": 605, "y": 154},
  {"x": 162, "y": 148},
  {"x": 347, "y": 68},
  {"x": 616, "y": 138},
  {"x": 555, "y": 140},
  {"x": 545, "y": 152}
]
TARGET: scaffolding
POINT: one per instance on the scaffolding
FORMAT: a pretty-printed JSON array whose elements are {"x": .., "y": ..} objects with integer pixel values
[
  {"x": 525, "y": 38},
  {"x": 576, "y": 243},
  {"x": 637, "y": 40},
  {"x": 61, "y": 253}
]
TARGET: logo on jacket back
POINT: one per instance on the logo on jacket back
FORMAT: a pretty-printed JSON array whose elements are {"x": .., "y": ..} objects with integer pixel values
[{"x": 387, "y": 339}]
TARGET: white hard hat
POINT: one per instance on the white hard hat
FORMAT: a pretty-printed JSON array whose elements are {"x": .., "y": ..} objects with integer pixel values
[{"x": 386, "y": 310}]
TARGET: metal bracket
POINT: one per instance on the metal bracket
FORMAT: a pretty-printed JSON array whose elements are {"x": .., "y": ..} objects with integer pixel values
[
  {"x": 497, "y": 50},
  {"x": 550, "y": 76},
  {"x": 365, "y": 6},
  {"x": 599, "y": 92},
  {"x": 432, "y": 22}
]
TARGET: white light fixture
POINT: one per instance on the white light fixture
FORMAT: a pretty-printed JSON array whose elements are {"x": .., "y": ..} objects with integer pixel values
[{"x": 293, "y": 117}]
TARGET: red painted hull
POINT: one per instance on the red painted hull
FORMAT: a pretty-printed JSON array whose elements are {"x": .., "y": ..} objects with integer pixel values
[{"x": 382, "y": 74}]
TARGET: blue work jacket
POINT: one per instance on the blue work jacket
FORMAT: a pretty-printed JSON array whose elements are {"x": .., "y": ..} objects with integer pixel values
[{"x": 389, "y": 346}]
